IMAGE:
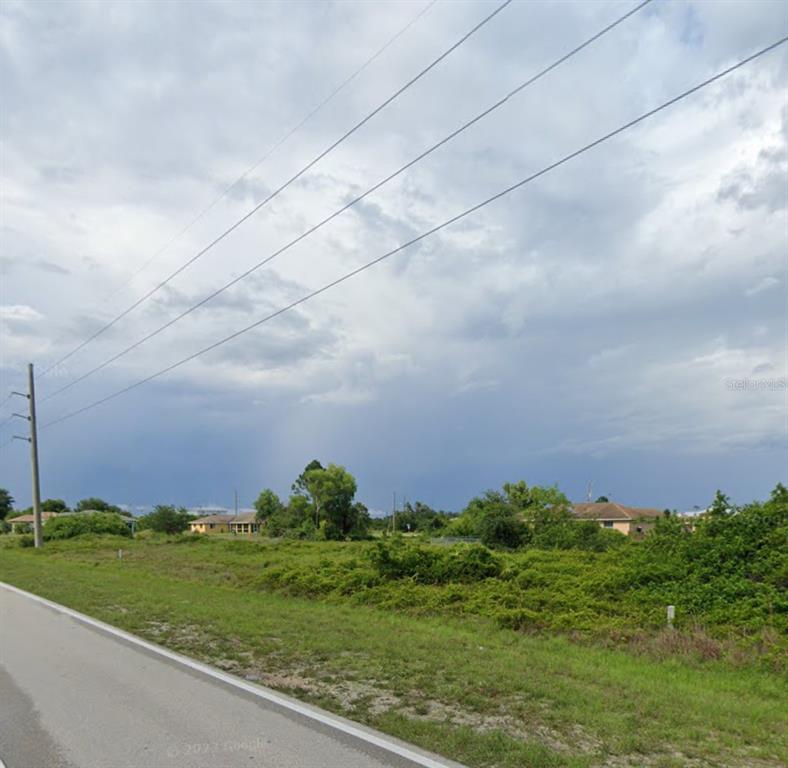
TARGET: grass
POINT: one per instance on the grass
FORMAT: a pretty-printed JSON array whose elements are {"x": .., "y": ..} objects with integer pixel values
[{"x": 459, "y": 684}]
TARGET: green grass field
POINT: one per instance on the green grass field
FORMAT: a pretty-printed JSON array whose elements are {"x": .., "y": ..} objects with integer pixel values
[{"x": 443, "y": 673}]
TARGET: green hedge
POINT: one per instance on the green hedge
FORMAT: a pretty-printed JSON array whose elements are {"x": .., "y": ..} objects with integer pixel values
[{"x": 68, "y": 526}]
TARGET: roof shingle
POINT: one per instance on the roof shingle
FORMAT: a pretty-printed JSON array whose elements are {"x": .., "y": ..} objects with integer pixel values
[{"x": 610, "y": 510}]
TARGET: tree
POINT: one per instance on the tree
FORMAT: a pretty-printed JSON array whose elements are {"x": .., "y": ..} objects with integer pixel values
[
  {"x": 94, "y": 504},
  {"x": 293, "y": 519},
  {"x": 267, "y": 505},
  {"x": 166, "y": 519},
  {"x": 332, "y": 490},
  {"x": 6, "y": 503},
  {"x": 721, "y": 506},
  {"x": 535, "y": 498},
  {"x": 58, "y": 506},
  {"x": 502, "y": 527},
  {"x": 299, "y": 486},
  {"x": 360, "y": 522},
  {"x": 418, "y": 517},
  {"x": 602, "y": 500},
  {"x": 477, "y": 509}
]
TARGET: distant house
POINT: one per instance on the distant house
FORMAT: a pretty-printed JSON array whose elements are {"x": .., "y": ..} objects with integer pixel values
[
  {"x": 211, "y": 524},
  {"x": 631, "y": 521},
  {"x": 24, "y": 523},
  {"x": 245, "y": 522}
]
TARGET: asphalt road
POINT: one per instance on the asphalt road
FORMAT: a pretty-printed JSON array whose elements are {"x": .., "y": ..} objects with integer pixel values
[{"x": 75, "y": 696}]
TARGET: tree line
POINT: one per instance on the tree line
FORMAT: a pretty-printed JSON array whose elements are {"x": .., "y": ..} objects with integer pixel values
[{"x": 322, "y": 505}]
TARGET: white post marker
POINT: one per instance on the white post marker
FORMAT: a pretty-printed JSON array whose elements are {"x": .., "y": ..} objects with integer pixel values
[{"x": 671, "y": 615}]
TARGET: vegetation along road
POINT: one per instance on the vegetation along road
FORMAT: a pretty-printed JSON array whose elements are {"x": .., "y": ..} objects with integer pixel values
[{"x": 531, "y": 657}]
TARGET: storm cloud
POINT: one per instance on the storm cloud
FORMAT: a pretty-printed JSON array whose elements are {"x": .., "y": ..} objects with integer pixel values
[{"x": 585, "y": 327}]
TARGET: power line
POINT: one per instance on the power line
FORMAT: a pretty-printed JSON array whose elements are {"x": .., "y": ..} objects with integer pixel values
[
  {"x": 279, "y": 189},
  {"x": 348, "y": 205},
  {"x": 2, "y": 405},
  {"x": 426, "y": 234},
  {"x": 275, "y": 146}
]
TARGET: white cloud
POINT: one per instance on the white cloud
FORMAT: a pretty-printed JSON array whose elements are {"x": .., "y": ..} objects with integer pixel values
[
  {"x": 762, "y": 285},
  {"x": 19, "y": 313}
]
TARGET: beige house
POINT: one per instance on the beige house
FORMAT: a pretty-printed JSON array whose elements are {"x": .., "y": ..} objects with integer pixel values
[
  {"x": 244, "y": 523},
  {"x": 211, "y": 524},
  {"x": 631, "y": 521},
  {"x": 24, "y": 523}
]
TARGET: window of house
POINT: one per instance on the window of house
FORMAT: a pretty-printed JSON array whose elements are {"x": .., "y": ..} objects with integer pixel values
[{"x": 608, "y": 523}]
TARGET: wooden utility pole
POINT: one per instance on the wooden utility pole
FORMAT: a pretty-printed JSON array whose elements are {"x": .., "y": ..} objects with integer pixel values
[
  {"x": 38, "y": 538},
  {"x": 31, "y": 388}
]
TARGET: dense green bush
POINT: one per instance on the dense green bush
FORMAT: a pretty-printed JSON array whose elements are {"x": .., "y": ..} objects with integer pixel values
[
  {"x": 728, "y": 568},
  {"x": 434, "y": 565},
  {"x": 503, "y": 528},
  {"x": 68, "y": 526}
]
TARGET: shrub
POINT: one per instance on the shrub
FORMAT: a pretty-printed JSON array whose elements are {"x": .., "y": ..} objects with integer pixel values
[
  {"x": 68, "y": 526},
  {"x": 434, "y": 565}
]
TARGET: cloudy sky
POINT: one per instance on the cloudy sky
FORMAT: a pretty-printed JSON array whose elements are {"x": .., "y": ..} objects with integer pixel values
[{"x": 591, "y": 326}]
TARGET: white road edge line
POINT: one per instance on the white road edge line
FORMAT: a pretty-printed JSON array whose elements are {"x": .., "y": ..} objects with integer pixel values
[{"x": 256, "y": 690}]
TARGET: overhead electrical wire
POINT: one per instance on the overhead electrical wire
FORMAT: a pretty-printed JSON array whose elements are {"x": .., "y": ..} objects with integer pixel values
[
  {"x": 348, "y": 205},
  {"x": 565, "y": 159},
  {"x": 275, "y": 146},
  {"x": 282, "y": 187}
]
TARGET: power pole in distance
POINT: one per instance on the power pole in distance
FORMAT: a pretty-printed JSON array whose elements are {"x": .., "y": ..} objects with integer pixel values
[{"x": 33, "y": 440}]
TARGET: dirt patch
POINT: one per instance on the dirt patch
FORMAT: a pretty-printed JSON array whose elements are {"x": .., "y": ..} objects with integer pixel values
[
  {"x": 372, "y": 697},
  {"x": 368, "y": 699}
]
